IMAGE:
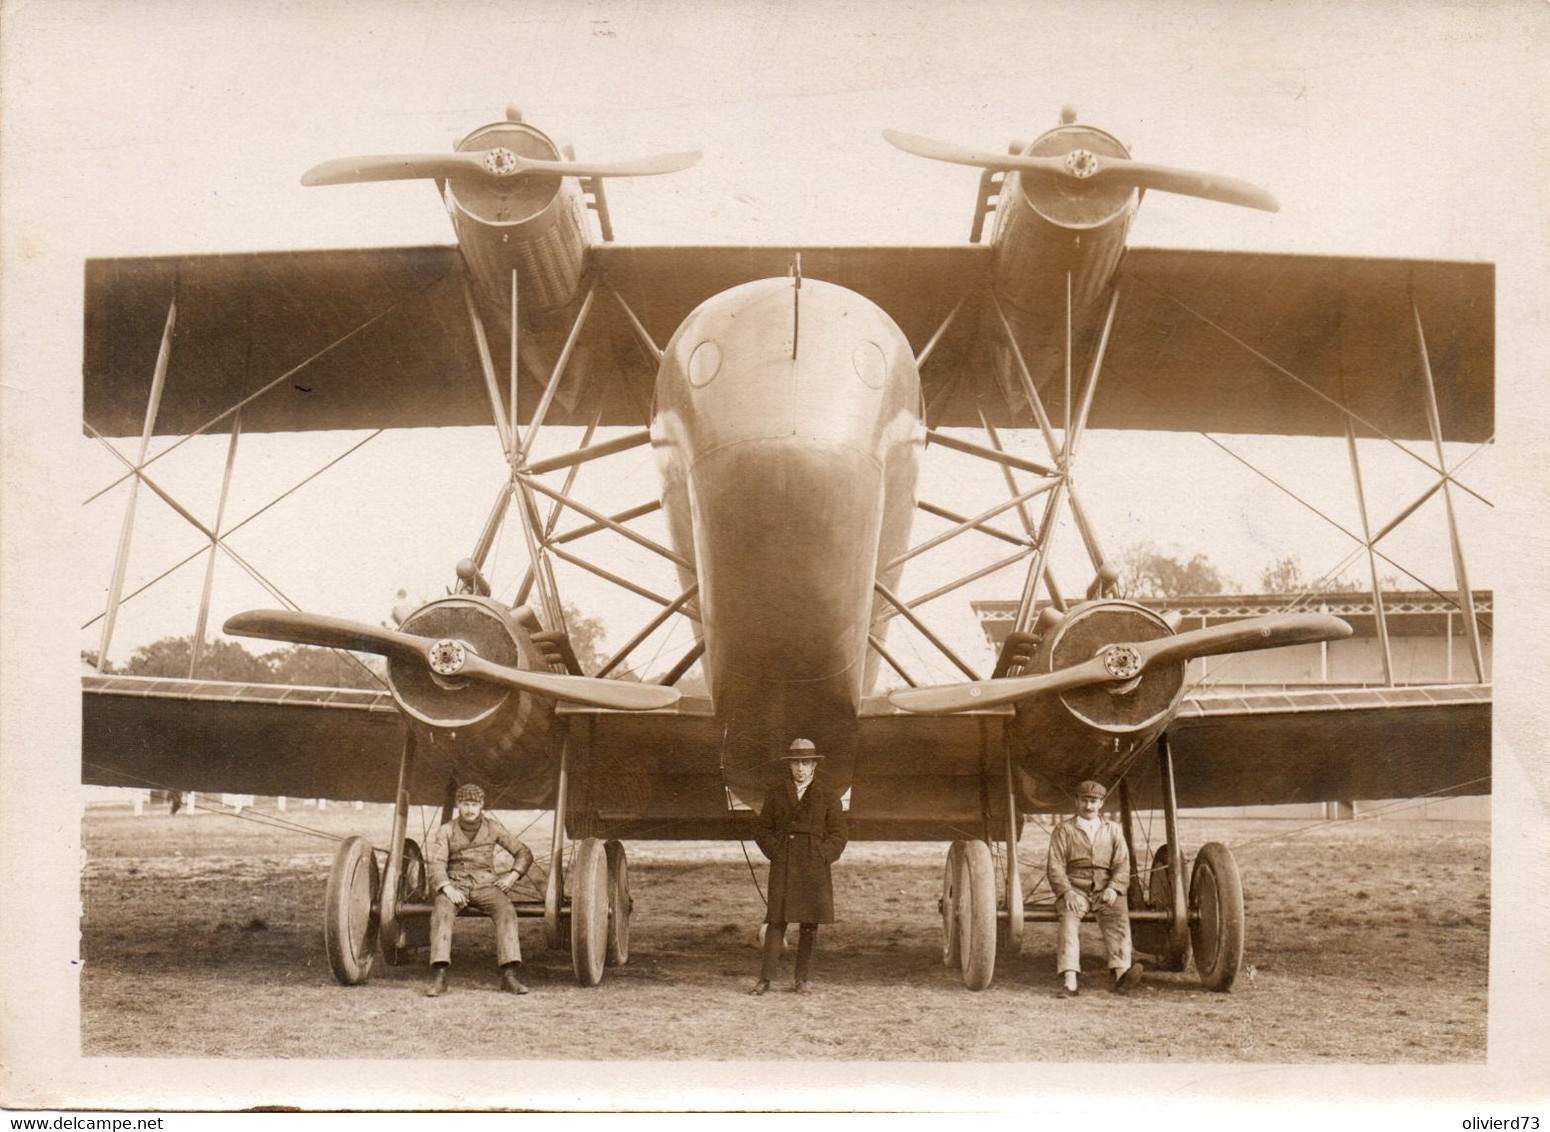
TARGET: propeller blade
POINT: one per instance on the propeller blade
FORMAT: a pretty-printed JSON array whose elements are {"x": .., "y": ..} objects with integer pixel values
[
  {"x": 1267, "y": 632},
  {"x": 496, "y": 164},
  {"x": 934, "y": 150},
  {"x": 1097, "y": 169},
  {"x": 339, "y": 633},
  {"x": 326, "y": 632},
  {"x": 1184, "y": 182},
  {"x": 1271, "y": 631},
  {"x": 941, "y": 699},
  {"x": 396, "y": 167},
  {"x": 619, "y": 695},
  {"x": 633, "y": 167}
]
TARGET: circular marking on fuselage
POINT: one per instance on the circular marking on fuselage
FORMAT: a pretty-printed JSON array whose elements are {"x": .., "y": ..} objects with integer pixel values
[
  {"x": 871, "y": 366},
  {"x": 704, "y": 364}
]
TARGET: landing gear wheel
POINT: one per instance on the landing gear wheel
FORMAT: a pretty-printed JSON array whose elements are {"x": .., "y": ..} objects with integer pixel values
[
  {"x": 589, "y": 912},
  {"x": 350, "y": 911},
  {"x": 948, "y": 906},
  {"x": 1151, "y": 937},
  {"x": 1009, "y": 929},
  {"x": 413, "y": 888},
  {"x": 1216, "y": 917},
  {"x": 619, "y": 904},
  {"x": 977, "y": 915}
]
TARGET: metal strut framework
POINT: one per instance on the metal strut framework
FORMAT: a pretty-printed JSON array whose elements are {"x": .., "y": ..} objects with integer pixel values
[
  {"x": 1057, "y": 487},
  {"x": 1445, "y": 480},
  {"x": 523, "y": 487},
  {"x": 137, "y": 474}
]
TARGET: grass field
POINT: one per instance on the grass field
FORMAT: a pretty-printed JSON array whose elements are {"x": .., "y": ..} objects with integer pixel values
[{"x": 1367, "y": 942}]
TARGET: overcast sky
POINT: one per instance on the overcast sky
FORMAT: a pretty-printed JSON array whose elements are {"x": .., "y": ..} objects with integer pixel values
[{"x": 173, "y": 127}]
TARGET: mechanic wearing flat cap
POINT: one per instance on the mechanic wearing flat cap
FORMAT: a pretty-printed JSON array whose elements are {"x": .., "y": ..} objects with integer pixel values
[
  {"x": 802, "y": 831},
  {"x": 1089, "y": 868},
  {"x": 461, "y": 862}
]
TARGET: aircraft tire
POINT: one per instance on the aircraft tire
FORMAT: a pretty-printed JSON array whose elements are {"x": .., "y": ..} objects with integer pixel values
[
  {"x": 1216, "y": 917},
  {"x": 589, "y": 912},
  {"x": 620, "y": 904},
  {"x": 350, "y": 911},
  {"x": 413, "y": 888},
  {"x": 1009, "y": 929},
  {"x": 948, "y": 906},
  {"x": 977, "y": 915},
  {"x": 1152, "y": 938}
]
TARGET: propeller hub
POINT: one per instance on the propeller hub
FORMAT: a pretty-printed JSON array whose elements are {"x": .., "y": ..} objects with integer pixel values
[
  {"x": 446, "y": 657},
  {"x": 500, "y": 161},
  {"x": 1122, "y": 661},
  {"x": 1081, "y": 163},
  {"x": 437, "y": 690}
]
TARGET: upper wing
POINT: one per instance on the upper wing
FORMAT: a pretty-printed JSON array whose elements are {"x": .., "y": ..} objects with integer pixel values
[
  {"x": 371, "y": 338},
  {"x": 381, "y": 338},
  {"x": 1201, "y": 335}
]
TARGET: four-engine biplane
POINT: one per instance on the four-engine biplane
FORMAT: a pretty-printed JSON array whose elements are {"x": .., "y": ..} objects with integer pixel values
[{"x": 790, "y": 396}]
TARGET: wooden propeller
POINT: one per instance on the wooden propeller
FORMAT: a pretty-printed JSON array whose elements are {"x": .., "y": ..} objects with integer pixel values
[
  {"x": 339, "y": 633},
  {"x": 1119, "y": 662},
  {"x": 497, "y": 164},
  {"x": 1081, "y": 165}
]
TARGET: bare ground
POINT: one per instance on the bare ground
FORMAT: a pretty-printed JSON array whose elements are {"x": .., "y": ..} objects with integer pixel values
[{"x": 1367, "y": 942}]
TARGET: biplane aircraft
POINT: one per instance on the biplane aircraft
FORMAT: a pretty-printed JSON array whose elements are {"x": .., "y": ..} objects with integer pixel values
[{"x": 790, "y": 396}]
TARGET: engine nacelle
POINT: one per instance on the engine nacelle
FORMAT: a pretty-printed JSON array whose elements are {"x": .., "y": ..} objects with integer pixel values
[
  {"x": 1096, "y": 731},
  {"x": 535, "y": 225},
  {"x": 1046, "y": 227},
  {"x": 493, "y": 726}
]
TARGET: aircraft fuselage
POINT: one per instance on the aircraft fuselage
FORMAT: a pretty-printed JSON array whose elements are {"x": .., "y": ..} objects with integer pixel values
[{"x": 788, "y": 429}]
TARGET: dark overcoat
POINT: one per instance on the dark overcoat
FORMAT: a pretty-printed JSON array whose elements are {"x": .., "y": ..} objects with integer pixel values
[{"x": 802, "y": 838}]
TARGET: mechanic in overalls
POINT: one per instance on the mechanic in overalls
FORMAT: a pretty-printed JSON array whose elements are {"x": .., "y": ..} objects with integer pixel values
[
  {"x": 460, "y": 861},
  {"x": 1089, "y": 869}
]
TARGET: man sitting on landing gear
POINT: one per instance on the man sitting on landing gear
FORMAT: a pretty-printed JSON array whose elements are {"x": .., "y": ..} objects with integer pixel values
[
  {"x": 1089, "y": 868},
  {"x": 461, "y": 864}
]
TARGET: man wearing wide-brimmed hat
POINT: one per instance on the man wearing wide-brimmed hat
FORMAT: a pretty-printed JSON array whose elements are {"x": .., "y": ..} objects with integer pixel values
[
  {"x": 1089, "y": 869},
  {"x": 802, "y": 832},
  {"x": 460, "y": 860}
]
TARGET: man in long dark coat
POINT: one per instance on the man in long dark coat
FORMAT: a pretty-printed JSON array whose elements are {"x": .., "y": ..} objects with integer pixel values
[{"x": 802, "y": 832}]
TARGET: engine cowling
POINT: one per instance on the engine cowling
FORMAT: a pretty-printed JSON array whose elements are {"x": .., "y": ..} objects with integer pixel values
[
  {"x": 535, "y": 225},
  {"x": 493, "y": 727},
  {"x": 1096, "y": 731},
  {"x": 1047, "y": 227}
]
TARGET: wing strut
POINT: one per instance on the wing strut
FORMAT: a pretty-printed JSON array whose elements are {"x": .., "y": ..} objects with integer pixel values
[
  {"x": 197, "y": 644},
  {"x": 1381, "y": 619},
  {"x": 1460, "y": 574},
  {"x": 126, "y": 532},
  {"x": 650, "y": 627}
]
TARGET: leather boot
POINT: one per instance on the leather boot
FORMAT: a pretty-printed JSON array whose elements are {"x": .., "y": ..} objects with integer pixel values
[
  {"x": 438, "y": 985},
  {"x": 509, "y": 981},
  {"x": 1126, "y": 980}
]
